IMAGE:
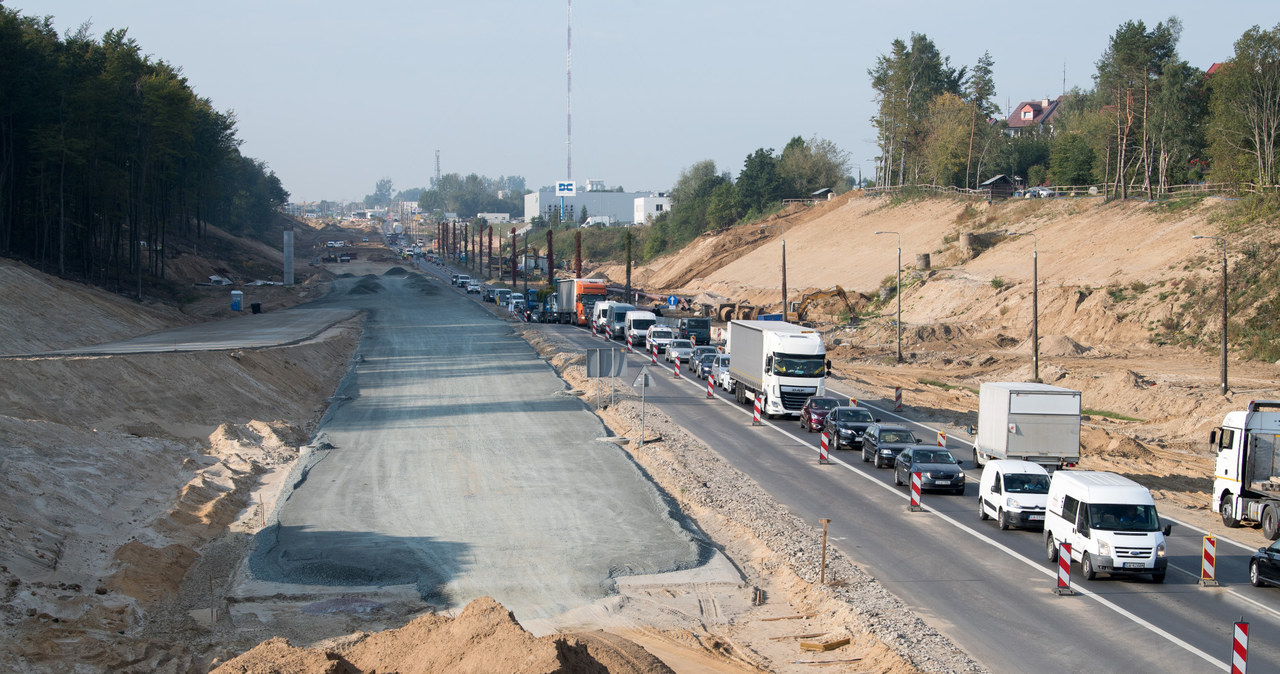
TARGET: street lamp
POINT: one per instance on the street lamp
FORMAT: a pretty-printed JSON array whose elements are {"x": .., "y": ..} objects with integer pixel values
[
  {"x": 1223, "y": 241},
  {"x": 899, "y": 292},
  {"x": 1035, "y": 303}
]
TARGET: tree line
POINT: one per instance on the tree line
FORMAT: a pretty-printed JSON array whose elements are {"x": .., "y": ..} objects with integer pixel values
[
  {"x": 106, "y": 153},
  {"x": 1151, "y": 120}
]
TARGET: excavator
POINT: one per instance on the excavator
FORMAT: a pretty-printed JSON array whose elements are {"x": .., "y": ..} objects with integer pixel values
[{"x": 801, "y": 312}]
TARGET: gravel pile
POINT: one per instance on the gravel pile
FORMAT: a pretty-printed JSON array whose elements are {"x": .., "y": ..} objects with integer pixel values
[{"x": 699, "y": 477}]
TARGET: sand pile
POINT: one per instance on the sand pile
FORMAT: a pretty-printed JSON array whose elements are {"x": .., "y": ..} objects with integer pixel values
[{"x": 485, "y": 637}]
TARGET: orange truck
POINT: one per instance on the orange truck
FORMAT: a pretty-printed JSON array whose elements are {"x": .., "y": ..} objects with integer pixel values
[{"x": 579, "y": 295}]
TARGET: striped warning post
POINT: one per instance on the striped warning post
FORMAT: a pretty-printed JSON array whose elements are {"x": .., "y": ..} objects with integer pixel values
[
  {"x": 1064, "y": 568},
  {"x": 653, "y": 355},
  {"x": 1240, "y": 649},
  {"x": 853, "y": 402},
  {"x": 915, "y": 493},
  {"x": 1208, "y": 562},
  {"x": 755, "y": 418},
  {"x": 675, "y": 371},
  {"x": 942, "y": 439},
  {"x": 897, "y": 399},
  {"x": 823, "y": 446},
  {"x": 711, "y": 388},
  {"x": 593, "y": 329},
  {"x": 629, "y": 349}
]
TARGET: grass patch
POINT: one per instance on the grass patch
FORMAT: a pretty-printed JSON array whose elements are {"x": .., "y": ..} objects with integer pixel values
[
  {"x": 945, "y": 386},
  {"x": 997, "y": 283},
  {"x": 1108, "y": 414}
]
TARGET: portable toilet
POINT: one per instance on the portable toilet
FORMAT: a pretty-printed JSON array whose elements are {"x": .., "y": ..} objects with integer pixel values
[{"x": 237, "y": 297}]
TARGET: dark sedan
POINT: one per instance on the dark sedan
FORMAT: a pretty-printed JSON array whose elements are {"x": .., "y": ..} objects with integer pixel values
[
  {"x": 1264, "y": 568},
  {"x": 882, "y": 442},
  {"x": 703, "y": 363},
  {"x": 937, "y": 467},
  {"x": 846, "y": 426},
  {"x": 814, "y": 413}
]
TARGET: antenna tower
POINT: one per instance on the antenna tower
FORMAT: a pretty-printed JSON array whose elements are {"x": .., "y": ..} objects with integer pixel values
[{"x": 437, "y": 181}]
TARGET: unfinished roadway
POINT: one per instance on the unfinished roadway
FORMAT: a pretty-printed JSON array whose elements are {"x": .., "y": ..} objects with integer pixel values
[{"x": 456, "y": 464}]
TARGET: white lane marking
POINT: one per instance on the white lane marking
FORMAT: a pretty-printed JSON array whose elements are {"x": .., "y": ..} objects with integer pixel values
[{"x": 1050, "y": 573}]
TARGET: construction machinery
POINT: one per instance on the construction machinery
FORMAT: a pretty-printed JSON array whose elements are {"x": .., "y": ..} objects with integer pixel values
[
  {"x": 801, "y": 312},
  {"x": 742, "y": 311}
]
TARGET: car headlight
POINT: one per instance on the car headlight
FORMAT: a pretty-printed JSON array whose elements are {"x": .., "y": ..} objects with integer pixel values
[
  {"x": 960, "y": 475},
  {"x": 886, "y": 452},
  {"x": 1012, "y": 503},
  {"x": 1104, "y": 548},
  {"x": 1160, "y": 551}
]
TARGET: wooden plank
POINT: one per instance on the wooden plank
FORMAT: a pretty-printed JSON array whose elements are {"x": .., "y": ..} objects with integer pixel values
[
  {"x": 787, "y": 617},
  {"x": 824, "y": 646},
  {"x": 798, "y": 636}
]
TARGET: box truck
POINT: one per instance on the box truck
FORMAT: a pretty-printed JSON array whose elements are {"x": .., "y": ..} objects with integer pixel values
[
  {"x": 1028, "y": 422},
  {"x": 579, "y": 295},
  {"x": 1246, "y": 476},
  {"x": 783, "y": 364}
]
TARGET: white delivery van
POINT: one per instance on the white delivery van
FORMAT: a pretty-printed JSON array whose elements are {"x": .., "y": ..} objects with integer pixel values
[
  {"x": 638, "y": 324},
  {"x": 600, "y": 314},
  {"x": 1013, "y": 492},
  {"x": 1110, "y": 522},
  {"x": 616, "y": 324}
]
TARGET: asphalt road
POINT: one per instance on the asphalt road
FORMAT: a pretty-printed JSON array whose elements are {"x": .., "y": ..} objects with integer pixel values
[
  {"x": 993, "y": 592},
  {"x": 460, "y": 464}
]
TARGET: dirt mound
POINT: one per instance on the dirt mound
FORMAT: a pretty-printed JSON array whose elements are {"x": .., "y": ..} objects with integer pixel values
[
  {"x": 1055, "y": 345},
  {"x": 395, "y": 271},
  {"x": 484, "y": 637}
]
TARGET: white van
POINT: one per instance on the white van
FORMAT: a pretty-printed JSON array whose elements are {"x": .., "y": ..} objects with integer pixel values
[
  {"x": 638, "y": 324},
  {"x": 616, "y": 327},
  {"x": 1013, "y": 492},
  {"x": 659, "y": 336},
  {"x": 600, "y": 313},
  {"x": 1110, "y": 522}
]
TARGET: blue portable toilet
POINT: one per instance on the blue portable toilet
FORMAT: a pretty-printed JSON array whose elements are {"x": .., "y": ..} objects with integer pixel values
[{"x": 237, "y": 298}]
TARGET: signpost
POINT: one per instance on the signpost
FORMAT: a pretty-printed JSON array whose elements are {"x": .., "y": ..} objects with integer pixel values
[
  {"x": 672, "y": 301},
  {"x": 605, "y": 363},
  {"x": 642, "y": 382}
]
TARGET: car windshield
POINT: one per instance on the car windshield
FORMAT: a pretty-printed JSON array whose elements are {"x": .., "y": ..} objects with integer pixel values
[
  {"x": 698, "y": 323},
  {"x": 660, "y": 334},
  {"x": 793, "y": 365},
  {"x": 897, "y": 436},
  {"x": 1123, "y": 517},
  {"x": 1021, "y": 483},
  {"x": 933, "y": 456},
  {"x": 823, "y": 403},
  {"x": 681, "y": 344},
  {"x": 851, "y": 414}
]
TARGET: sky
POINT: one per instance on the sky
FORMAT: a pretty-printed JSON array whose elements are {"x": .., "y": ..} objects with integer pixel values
[{"x": 334, "y": 96}]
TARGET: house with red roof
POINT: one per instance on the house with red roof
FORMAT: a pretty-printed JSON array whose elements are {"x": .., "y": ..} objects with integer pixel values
[{"x": 1033, "y": 117}]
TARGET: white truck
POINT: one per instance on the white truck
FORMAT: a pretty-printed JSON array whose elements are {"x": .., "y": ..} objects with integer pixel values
[
  {"x": 638, "y": 324},
  {"x": 1028, "y": 422},
  {"x": 1246, "y": 476},
  {"x": 783, "y": 364}
]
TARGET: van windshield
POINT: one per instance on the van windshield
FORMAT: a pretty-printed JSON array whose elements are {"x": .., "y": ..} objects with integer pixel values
[
  {"x": 1026, "y": 483},
  {"x": 641, "y": 323},
  {"x": 1123, "y": 517}
]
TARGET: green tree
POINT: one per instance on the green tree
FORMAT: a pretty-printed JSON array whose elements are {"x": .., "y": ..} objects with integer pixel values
[
  {"x": 906, "y": 81},
  {"x": 949, "y": 136},
  {"x": 722, "y": 206},
  {"x": 808, "y": 166},
  {"x": 978, "y": 92},
  {"x": 1245, "y": 109},
  {"x": 1070, "y": 160},
  {"x": 760, "y": 183}
]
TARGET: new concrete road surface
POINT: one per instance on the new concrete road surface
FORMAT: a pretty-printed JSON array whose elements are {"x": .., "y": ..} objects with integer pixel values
[{"x": 461, "y": 465}]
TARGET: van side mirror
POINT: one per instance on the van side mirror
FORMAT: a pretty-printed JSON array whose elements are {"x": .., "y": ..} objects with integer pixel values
[
  {"x": 1168, "y": 529},
  {"x": 1213, "y": 437},
  {"x": 828, "y": 363}
]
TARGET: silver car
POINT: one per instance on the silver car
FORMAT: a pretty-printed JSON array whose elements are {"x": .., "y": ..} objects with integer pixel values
[{"x": 681, "y": 348}]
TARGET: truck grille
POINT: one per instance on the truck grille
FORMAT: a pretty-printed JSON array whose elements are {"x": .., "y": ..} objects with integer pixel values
[{"x": 794, "y": 401}]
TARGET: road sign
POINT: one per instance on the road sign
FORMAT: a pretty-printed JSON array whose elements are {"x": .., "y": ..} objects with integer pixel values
[
  {"x": 606, "y": 363},
  {"x": 643, "y": 379},
  {"x": 566, "y": 188},
  {"x": 672, "y": 301}
]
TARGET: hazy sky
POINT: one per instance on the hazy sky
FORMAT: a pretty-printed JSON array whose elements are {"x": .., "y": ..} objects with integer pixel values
[{"x": 335, "y": 95}]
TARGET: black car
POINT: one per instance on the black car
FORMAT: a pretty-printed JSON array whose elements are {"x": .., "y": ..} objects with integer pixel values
[
  {"x": 846, "y": 425},
  {"x": 882, "y": 442},
  {"x": 937, "y": 467},
  {"x": 1264, "y": 568}
]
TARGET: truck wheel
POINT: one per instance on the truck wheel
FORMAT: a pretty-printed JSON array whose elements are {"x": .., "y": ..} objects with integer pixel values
[
  {"x": 1086, "y": 567},
  {"x": 1228, "y": 518},
  {"x": 1050, "y": 548},
  {"x": 1270, "y": 522}
]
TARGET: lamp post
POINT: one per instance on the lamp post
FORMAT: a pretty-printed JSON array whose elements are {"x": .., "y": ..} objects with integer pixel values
[
  {"x": 1223, "y": 241},
  {"x": 898, "y": 292},
  {"x": 784, "y": 268},
  {"x": 1035, "y": 303}
]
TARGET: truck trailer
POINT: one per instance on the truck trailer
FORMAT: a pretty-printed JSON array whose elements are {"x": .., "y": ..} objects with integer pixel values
[
  {"x": 1028, "y": 422},
  {"x": 1246, "y": 476},
  {"x": 579, "y": 295},
  {"x": 783, "y": 364}
]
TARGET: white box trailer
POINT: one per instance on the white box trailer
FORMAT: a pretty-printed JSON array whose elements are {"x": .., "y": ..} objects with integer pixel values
[
  {"x": 783, "y": 364},
  {"x": 1028, "y": 422}
]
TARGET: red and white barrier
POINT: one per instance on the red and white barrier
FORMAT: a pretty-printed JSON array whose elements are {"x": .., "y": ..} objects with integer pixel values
[
  {"x": 942, "y": 439},
  {"x": 915, "y": 493},
  {"x": 1240, "y": 649},
  {"x": 1064, "y": 568},
  {"x": 675, "y": 371},
  {"x": 822, "y": 448},
  {"x": 653, "y": 355},
  {"x": 711, "y": 387},
  {"x": 897, "y": 399},
  {"x": 755, "y": 418},
  {"x": 629, "y": 349},
  {"x": 1208, "y": 562},
  {"x": 853, "y": 402},
  {"x": 593, "y": 329}
]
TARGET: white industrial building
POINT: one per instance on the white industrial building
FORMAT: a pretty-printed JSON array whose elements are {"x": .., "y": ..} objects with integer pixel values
[
  {"x": 650, "y": 206},
  {"x": 620, "y": 207}
]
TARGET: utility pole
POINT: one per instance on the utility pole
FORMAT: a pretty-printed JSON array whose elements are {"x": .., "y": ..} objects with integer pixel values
[
  {"x": 1223, "y": 241},
  {"x": 1035, "y": 304},
  {"x": 898, "y": 292}
]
